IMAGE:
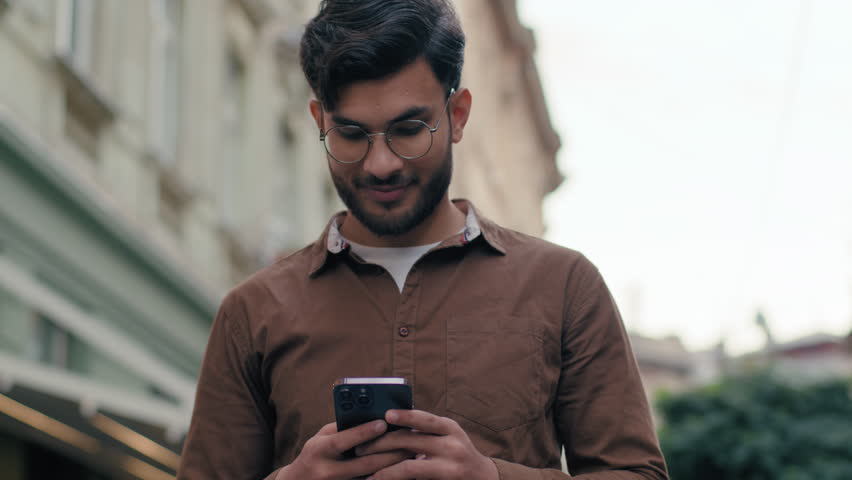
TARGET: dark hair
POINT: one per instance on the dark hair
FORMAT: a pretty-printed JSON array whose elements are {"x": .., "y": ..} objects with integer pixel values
[{"x": 356, "y": 40}]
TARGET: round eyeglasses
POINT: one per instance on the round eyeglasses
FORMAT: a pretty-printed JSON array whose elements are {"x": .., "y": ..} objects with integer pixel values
[{"x": 407, "y": 139}]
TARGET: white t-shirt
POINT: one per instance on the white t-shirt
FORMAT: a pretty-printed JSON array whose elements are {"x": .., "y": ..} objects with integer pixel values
[{"x": 397, "y": 261}]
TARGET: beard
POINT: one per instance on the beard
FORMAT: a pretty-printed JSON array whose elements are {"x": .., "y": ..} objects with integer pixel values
[{"x": 389, "y": 224}]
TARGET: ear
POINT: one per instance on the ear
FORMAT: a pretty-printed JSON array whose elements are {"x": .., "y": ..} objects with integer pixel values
[
  {"x": 317, "y": 113},
  {"x": 460, "y": 112}
]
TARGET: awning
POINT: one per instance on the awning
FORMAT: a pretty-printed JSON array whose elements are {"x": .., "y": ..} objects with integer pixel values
[{"x": 107, "y": 442}]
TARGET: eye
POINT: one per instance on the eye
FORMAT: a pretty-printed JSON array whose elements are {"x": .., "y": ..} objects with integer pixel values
[
  {"x": 407, "y": 128},
  {"x": 350, "y": 133}
]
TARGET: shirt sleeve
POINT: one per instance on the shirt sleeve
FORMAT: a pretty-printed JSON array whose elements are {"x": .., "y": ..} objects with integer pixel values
[
  {"x": 602, "y": 413},
  {"x": 230, "y": 434}
]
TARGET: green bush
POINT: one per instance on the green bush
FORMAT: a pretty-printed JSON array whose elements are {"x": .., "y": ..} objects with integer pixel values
[{"x": 759, "y": 428}]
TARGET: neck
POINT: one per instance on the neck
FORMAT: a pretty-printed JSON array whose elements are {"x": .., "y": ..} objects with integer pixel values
[{"x": 445, "y": 221}]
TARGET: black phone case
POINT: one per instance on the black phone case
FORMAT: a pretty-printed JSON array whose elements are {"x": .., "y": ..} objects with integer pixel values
[{"x": 355, "y": 404}]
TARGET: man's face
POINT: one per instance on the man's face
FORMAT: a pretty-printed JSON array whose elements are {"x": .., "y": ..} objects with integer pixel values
[{"x": 387, "y": 194}]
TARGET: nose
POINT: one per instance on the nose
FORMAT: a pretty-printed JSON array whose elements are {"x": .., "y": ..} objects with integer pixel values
[{"x": 381, "y": 162}]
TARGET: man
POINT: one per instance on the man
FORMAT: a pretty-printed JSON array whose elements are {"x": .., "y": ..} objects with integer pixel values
[{"x": 513, "y": 345}]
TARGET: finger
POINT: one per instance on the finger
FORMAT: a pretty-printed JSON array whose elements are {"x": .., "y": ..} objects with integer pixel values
[
  {"x": 327, "y": 429},
  {"x": 371, "y": 464},
  {"x": 413, "y": 469},
  {"x": 402, "y": 440},
  {"x": 422, "y": 421},
  {"x": 347, "y": 439}
]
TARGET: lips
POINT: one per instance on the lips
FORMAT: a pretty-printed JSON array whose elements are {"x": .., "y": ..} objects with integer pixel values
[{"x": 386, "y": 194}]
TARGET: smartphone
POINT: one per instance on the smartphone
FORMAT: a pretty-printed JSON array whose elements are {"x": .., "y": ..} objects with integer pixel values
[{"x": 359, "y": 400}]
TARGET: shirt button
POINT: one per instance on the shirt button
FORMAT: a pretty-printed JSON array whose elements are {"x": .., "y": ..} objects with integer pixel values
[{"x": 403, "y": 331}]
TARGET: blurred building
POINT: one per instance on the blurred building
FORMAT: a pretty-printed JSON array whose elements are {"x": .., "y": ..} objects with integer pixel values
[
  {"x": 506, "y": 163},
  {"x": 814, "y": 357},
  {"x": 667, "y": 366},
  {"x": 810, "y": 358},
  {"x": 151, "y": 155}
]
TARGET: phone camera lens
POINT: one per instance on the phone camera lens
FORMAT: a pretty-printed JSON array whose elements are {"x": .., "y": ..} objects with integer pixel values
[
  {"x": 346, "y": 406},
  {"x": 346, "y": 394},
  {"x": 363, "y": 400}
]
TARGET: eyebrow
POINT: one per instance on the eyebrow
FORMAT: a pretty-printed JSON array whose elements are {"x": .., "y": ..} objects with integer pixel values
[{"x": 406, "y": 115}]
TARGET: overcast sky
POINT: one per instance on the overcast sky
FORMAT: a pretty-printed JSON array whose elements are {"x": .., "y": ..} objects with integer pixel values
[{"x": 708, "y": 152}]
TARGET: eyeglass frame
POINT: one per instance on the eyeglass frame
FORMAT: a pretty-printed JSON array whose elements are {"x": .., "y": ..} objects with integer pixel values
[{"x": 370, "y": 136}]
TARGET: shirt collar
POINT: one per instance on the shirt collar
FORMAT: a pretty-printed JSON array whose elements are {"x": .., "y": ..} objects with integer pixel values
[{"x": 332, "y": 242}]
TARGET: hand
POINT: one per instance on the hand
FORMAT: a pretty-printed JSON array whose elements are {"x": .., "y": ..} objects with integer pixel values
[
  {"x": 320, "y": 458},
  {"x": 444, "y": 451}
]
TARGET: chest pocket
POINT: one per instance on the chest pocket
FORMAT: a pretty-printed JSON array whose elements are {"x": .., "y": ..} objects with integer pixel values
[{"x": 494, "y": 377}]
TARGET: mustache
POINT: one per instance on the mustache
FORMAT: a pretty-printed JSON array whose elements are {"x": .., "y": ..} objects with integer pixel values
[{"x": 395, "y": 180}]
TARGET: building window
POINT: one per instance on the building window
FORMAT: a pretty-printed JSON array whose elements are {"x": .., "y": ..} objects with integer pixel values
[
  {"x": 164, "y": 107},
  {"x": 74, "y": 32},
  {"x": 164, "y": 83},
  {"x": 233, "y": 137},
  {"x": 87, "y": 110},
  {"x": 49, "y": 343},
  {"x": 172, "y": 201}
]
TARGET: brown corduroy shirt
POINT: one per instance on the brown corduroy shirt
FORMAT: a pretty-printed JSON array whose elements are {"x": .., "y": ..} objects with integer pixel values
[{"x": 515, "y": 338}]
